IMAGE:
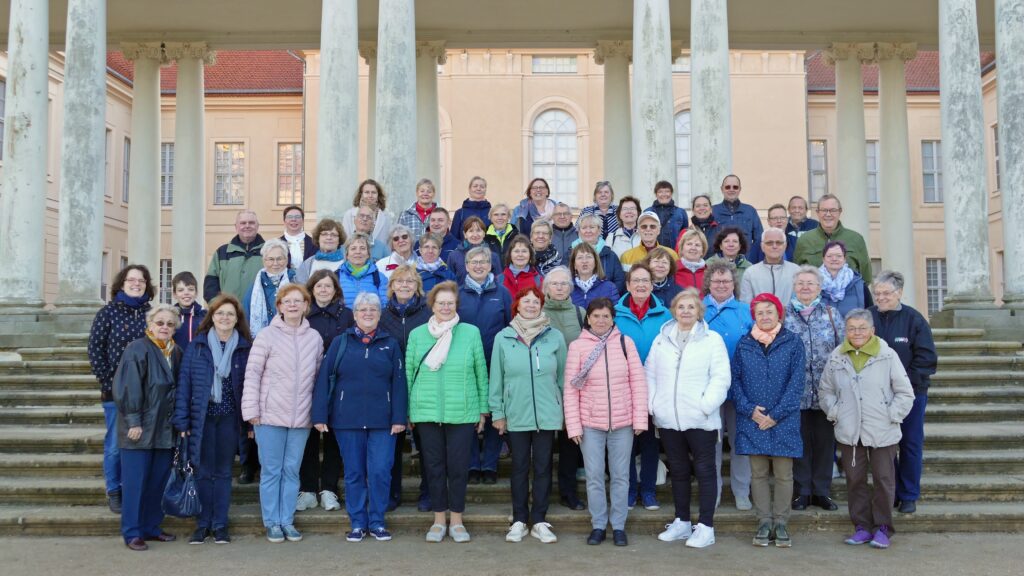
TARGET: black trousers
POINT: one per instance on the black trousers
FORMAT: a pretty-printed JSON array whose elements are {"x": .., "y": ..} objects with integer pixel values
[
  {"x": 396, "y": 468},
  {"x": 248, "y": 454},
  {"x": 680, "y": 446},
  {"x": 569, "y": 460},
  {"x": 445, "y": 455},
  {"x": 533, "y": 447},
  {"x": 315, "y": 474},
  {"x": 812, "y": 474}
]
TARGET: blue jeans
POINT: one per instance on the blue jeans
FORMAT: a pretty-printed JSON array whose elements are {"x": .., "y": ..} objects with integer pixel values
[
  {"x": 280, "y": 452},
  {"x": 908, "y": 461},
  {"x": 111, "y": 453},
  {"x": 488, "y": 461},
  {"x": 213, "y": 473},
  {"x": 646, "y": 445},
  {"x": 145, "y": 476},
  {"x": 368, "y": 455}
]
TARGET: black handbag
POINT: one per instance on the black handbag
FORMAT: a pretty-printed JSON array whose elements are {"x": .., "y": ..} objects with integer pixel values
[{"x": 181, "y": 497}]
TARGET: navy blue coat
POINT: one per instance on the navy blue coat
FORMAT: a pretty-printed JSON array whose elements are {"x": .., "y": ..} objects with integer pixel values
[
  {"x": 431, "y": 279},
  {"x": 370, "y": 390},
  {"x": 114, "y": 327},
  {"x": 772, "y": 378},
  {"x": 195, "y": 384},
  {"x": 456, "y": 262},
  {"x": 744, "y": 217},
  {"x": 613, "y": 271},
  {"x": 489, "y": 311},
  {"x": 190, "y": 320},
  {"x": 673, "y": 222},
  {"x": 478, "y": 208},
  {"x": 857, "y": 296},
  {"x": 907, "y": 332},
  {"x": 449, "y": 244},
  {"x": 601, "y": 289},
  {"x": 667, "y": 292},
  {"x": 330, "y": 321},
  {"x": 710, "y": 230},
  {"x": 401, "y": 323}
]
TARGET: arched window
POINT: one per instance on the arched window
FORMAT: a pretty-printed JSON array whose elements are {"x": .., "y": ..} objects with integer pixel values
[
  {"x": 556, "y": 154},
  {"x": 683, "y": 158}
]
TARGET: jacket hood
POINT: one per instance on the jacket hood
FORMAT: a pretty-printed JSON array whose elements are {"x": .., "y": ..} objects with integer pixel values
[
  {"x": 237, "y": 244},
  {"x": 558, "y": 304}
]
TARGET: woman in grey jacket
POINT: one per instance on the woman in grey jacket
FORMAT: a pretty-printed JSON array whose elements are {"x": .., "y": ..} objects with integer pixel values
[{"x": 866, "y": 393}]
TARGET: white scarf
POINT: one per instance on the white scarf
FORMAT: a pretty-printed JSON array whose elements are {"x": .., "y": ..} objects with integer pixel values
[
  {"x": 443, "y": 332},
  {"x": 258, "y": 319}
]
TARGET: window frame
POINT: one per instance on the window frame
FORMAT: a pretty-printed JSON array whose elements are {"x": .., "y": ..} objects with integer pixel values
[
  {"x": 552, "y": 64},
  {"x": 941, "y": 286},
  {"x": 684, "y": 191},
  {"x": 812, "y": 172},
  {"x": 167, "y": 174},
  {"x": 126, "y": 168},
  {"x": 166, "y": 274},
  {"x": 550, "y": 170},
  {"x": 297, "y": 174},
  {"x": 935, "y": 172},
  {"x": 874, "y": 196},
  {"x": 243, "y": 175}
]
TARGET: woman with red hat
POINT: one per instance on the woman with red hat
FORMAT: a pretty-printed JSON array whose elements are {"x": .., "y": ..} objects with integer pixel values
[{"x": 767, "y": 382}]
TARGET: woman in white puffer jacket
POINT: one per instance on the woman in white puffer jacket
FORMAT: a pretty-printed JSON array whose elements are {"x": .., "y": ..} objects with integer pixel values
[{"x": 688, "y": 378}]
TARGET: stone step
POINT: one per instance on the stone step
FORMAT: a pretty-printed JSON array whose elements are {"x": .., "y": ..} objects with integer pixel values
[
  {"x": 49, "y": 382},
  {"x": 968, "y": 436},
  {"x": 72, "y": 338},
  {"x": 950, "y": 334},
  {"x": 977, "y": 348},
  {"x": 39, "y": 465},
  {"x": 16, "y": 398},
  {"x": 963, "y": 462},
  {"x": 406, "y": 522},
  {"x": 45, "y": 367},
  {"x": 1006, "y": 362},
  {"x": 1004, "y": 395},
  {"x": 977, "y": 378},
  {"x": 962, "y": 413},
  {"x": 45, "y": 415},
  {"x": 55, "y": 353},
  {"x": 52, "y": 439}
]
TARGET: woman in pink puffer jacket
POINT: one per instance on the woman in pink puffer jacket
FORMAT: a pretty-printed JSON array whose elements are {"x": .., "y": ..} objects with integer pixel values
[
  {"x": 605, "y": 405},
  {"x": 276, "y": 399}
]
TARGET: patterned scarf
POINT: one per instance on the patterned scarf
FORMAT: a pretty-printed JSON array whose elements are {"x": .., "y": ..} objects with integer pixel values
[
  {"x": 422, "y": 264},
  {"x": 586, "y": 285},
  {"x": 261, "y": 303},
  {"x": 805, "y": 310},
  {"x": 836, "y": 287},
  {"x": 477, "y": 286},
  {"x": 693, "y": 266},
  {"x": 595, "y": 354},
  {"x": 166, "y": 347}
]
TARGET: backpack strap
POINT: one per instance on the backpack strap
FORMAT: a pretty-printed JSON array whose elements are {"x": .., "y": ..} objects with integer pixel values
[
  {"x": 332, "y": 377},
  {"x": 579, "y": 315},
  {"x": 376, "y": 280},
  {"x": 622, "y": 342},
  {"x": 835, "y": 333}
]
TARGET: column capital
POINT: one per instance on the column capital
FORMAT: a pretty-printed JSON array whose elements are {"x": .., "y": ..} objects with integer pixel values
[
  {"x": 863, "y": 51},
  {"x": 368, "y": 51},
  {"x": 197, "y": 50},
  {"x": 898, "y": 50},
  {"x": 144, "y": 50},
  {"x": 608, "y": 48},
  {"x": 435, "y": 49}
]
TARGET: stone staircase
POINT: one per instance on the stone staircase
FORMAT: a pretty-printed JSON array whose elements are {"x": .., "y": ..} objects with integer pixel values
[{"x": 51, "y": 441}]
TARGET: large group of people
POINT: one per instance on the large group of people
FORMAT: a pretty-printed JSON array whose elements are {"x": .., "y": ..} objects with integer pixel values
[{"x": 630, "y": 333}]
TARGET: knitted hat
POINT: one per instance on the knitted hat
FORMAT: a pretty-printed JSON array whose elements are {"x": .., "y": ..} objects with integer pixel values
[{"x": 766, "y": 297}]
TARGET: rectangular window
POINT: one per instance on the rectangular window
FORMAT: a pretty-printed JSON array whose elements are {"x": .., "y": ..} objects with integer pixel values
[
  {"x": 229, "y": 173},
  {"x": 681, "y": 65},
  {"x": 995, "y": 148},
  {"x": 167, "y": 174},
  {"x": 3, "y": 107},
  {"x": 871, "y": 148},
  {"x": 554, "y": 64},
  {"x": 931, "y": 170},
  {"x": 817, "y": 167},
  {"x": 935, "y": 272},
  {"x": 107, "y": 148},
  {"x": 166, "y": 274},
  {"x": 125, "y": 170},
  {"x": 124, "y": 263},
  {"x": 289, "y": 173},
  {"x": 105, "y": 276}
]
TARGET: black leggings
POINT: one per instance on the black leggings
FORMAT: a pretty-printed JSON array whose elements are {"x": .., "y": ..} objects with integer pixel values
[
  {"x": 679, "y": 447},
  {"x": 316, "y": 475}
]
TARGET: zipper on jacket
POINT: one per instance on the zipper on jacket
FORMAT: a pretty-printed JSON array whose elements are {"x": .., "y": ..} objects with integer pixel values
[
  {"x": 533, "y": 389},
  {"x": 608, "y": 379},
  {"x": 675, "y": 391},
  {"x": 295, "y": 389}
]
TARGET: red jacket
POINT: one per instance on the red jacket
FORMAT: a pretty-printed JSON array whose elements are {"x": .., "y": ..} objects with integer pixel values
[
  {"x": 688, "y": 279},
  {"x": 516, "y": 282}
]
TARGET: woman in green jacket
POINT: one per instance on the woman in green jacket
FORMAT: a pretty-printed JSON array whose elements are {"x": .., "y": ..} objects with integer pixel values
[
  {"x": 527, "y": 371},
  {"x": 447, "y": 375}
]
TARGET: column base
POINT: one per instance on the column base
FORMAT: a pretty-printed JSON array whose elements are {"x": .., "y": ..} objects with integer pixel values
[
  {"x": 77, "y": 306},
  {"x": 998, "y": 323},
  {"x": 21, "y": 307},
  {"x": 1014, "y": 302}
]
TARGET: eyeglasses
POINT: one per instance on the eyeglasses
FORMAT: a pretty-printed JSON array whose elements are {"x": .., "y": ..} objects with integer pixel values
[
  {"x": 730, "y": 187},
  {"x": 162, "y": 323},
  {"x": 829, "y": 210},
  {"x": 293, "y": 302},
  {"x": 397, "y": 281},
  {"x": 330, "y": 235},
  {"x": 542, "y": 187},
  {"x": 858, "y": 329},
  {"x": 293, "y": 217},
  {"x": 367, "y": 310},
  {"x": 134, "y": 280},
  {"x": 722, "y": 282},
  {"x": 444, "y": 304},
  {"x": 364, "y": 217},
  {"x": 773, "y": 242},
  {"x": 648, "y": 226},
  {"x": 885, "y": 293},
  {"x": 401, "y": 237},
  {"x": 640, "y": 281},
  {"x": 478, "y": 262},
  {"x": 225, "y": 314}
]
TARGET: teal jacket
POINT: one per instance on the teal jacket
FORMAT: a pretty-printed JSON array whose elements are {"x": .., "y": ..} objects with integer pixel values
[
  {"x": 643, "y": 332},
  {"x": 527, "y": 381},
  {"x": 457, "y": 392}
]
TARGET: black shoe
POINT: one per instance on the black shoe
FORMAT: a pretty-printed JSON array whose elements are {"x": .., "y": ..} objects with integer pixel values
[
  {"x": 895, "y": 504},
  {"x": 114, "y": 501},
  {"x": 393, "y": 504},
  {"x": 423, "y": 505},
  {"x": 801, "y": 502},
  {"x": 220, "y": 536},
  {"x": 245, "y": 478},
  {"x": 908, "y": 507},
  {"x": 572, "y": 503},
  {"x": 474, "y": 476},
  {"x": 490, "y": 477},
  {"x": 824, "y": 502},
  {"x": 199, "y": 536},
  {"x": 619, "y": 538},
  {"x": 596, "y": 537}
]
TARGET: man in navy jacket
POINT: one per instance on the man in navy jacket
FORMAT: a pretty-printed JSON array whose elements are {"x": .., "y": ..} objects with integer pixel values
[{"x": 732, "y": 212}]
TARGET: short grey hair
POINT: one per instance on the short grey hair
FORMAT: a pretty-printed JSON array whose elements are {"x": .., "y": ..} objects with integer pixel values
[
  {"x": 364, "y": 298},
  {"x": 861, "y": 314},
  {"x": 552, "y": 272},
  {"x": 590, "y": 218},
  {"x": 161, "y": 307},
  {"x": 542, "y": 224},
  {"x": 479, "y": 250},
  {"x": 890, "y": 277},
  {"x": 773, "y": 230},
  {"x": 810, "y": 270},
  {"x": 396, "y": 229},
  {"x": 272, "y": 244}
]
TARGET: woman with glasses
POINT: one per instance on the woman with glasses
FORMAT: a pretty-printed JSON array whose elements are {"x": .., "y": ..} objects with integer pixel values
[
  {"x": 663, "y": 269},
  {"x": 536, "y": 206},
  {"x": 359, "y": 273},
  {"x": 259, "y": 301},
  {"x": 276, "y": 401},
  {"x": 428, "y": 262},
  {"x": 400, "y": 243},
  {"x": 474, "y": 232},
  {"x": 370, "y": 194},
  {"x": 603, "y": 207},
  {"x": 330, "y": 239},
  {"x": 842, "y": 286},
  {"x": 545, "y": 253},
  {"x": 625, "y": 237}
]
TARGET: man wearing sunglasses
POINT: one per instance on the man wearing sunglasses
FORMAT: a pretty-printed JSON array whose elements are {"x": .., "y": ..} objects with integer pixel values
[{"x": 731, "y": 212}]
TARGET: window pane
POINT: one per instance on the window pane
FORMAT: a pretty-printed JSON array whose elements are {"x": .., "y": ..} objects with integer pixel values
[
  {"x": 229, "y": 173},
  {"x": 166, "y": 173},
  {"x": 556, "y": 154},
  {"x": 554, "y": 64}
]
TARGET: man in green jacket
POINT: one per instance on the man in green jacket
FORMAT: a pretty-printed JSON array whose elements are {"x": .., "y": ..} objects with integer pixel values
[
  {"x": 811, "y": 243},
  {"x": 234, "y": 265}
]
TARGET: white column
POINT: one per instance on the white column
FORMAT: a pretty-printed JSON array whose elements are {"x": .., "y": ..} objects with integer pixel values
[
  {"x": 1010, "y": 64},
  {"x": 144, "y": 164},
  {"x": 82, "y": 157},
  {"x": 337, "y": 151},
  {"x": 23, "y": 201},
  {"x": 368, "y": 50},
  {"x": 894, "y": 192},
  {"x": 618, "y": 139},
  {"x": 395, "y": 156},
  {"x": 850, "y": 146},
  {"x": 428, "y": 131},
  {"x": 710, "y": 113},
  {"x": 188, "y": 236},
  {"x": 653, "y": 130},
  {"x": 963, "y": 158}
]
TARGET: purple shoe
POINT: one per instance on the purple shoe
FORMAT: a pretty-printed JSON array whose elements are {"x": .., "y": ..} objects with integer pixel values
[
  {"x": 860, "y": 536},
  {"x": 881, "y": 539}
]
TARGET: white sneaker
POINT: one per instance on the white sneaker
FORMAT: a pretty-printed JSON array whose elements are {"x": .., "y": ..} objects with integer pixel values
[
  {"x": 516, "y": 532},
  {"x": 307, "y": 501},
  {"x": 677, "y": 530},
  {"x": 542, "y": 531},
  {"x": 702, "y": 537},
  {"x": 329, "y": 501}
]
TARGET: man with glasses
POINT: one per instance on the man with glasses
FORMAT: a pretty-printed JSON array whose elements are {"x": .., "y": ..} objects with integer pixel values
[
  {"x": 649, "y": 226},
  {"x": 234, "y": 265},
  {"x": 731, "y": 212},
  {"x": 811, "y": 244},
  {"x": 773, "y": 274},
  {"x": 300, "y": 244},
  {"x": 366, "y": 219},
  {"x": 777, "y": 218},
  {"x": 563, "y": 231}
]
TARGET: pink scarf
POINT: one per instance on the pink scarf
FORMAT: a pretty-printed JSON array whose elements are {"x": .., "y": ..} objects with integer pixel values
[{"x": 763, "y": 337}]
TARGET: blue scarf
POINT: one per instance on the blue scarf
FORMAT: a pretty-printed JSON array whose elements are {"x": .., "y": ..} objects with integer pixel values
[
  {"x": 597, "y": 247},
  {"x": 132, "y": 301},
  {"x": 221, "y": 361},
  {"x": 836, "y": 287},
  {"x": 428, "y": 266},
  {"x": 336, "y": 256},
  {"x": 800, "y": 306},
  {"x": 478, "y": 287}
]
